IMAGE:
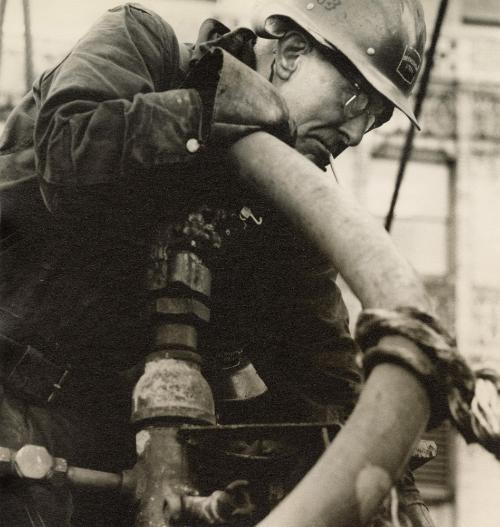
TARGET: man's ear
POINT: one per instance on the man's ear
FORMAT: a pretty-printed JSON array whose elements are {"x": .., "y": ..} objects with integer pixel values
[{"x": 288, "y": 51}]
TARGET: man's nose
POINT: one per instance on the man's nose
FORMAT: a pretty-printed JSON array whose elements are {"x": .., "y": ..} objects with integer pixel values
[{"x": 355, "y": 128}]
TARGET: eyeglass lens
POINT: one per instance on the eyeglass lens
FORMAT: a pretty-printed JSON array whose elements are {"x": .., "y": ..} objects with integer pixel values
[{"x": 360, "y": 103}]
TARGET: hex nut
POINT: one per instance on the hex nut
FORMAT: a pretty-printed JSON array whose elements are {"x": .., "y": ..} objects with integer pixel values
[
  {"x": 33, "y": 462},
  {"x": 6, "y": 455},
  {"x": 59, "y": 471}
]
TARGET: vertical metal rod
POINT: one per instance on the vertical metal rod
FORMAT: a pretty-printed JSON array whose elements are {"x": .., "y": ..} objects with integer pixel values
[
  {"x": 3, "y": 5},
  {"x": 28, "y": 46},
  {"x": 172, "y": 389},
  {"x": 424, "y": 83},
  {"x": 166, "y": 477}
]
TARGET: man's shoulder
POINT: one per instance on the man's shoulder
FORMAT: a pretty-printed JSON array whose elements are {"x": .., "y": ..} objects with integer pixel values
[
  {"x": 138, "y": 10},
  {"x": 141, "y": 21},
  {"x": 133, "y": 6}
]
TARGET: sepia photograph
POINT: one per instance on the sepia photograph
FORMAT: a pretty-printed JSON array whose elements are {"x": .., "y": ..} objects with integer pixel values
[{"x": 250, "y": 263}]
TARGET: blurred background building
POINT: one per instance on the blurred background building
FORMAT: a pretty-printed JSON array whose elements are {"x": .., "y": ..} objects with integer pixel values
[{"x": 447, "y": 218}]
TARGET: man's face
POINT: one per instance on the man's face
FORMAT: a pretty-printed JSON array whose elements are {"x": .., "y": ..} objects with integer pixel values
[{"x": 318, "y": 97}]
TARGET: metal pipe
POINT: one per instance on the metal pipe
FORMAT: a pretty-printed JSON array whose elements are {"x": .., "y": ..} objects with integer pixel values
[
  {"x": 3, "y": 5},
  {"x": 172, "y": 389},
  {"x": 35, "y": 463},
  {"x": 164, "y": 476},
  {"x": 83, "y": 477},
  {"x": 421, "y": 94},
  {"x": 330, "y": 218},
  {"x": 28, "y": 46},
  {"x": 367, "y": 457},
  {"x": 220, "y": 507}
]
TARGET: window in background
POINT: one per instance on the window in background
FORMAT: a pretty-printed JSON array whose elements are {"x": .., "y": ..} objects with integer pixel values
[
  {"x": 421, "y": 228},
  {"x": 481, "y": 12},
  {"x": 423, "y": 231}
]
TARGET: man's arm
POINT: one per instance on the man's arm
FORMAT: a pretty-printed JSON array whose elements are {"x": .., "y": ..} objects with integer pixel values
[
  {"x": 110, "y": 109},
  {"x": 113, "y": 110}
]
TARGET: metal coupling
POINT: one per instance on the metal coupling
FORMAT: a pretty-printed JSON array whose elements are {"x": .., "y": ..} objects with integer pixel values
[
  {"x": 36, "y": 463},
  {"x": 172, "y": 387},
  {"x": 221, "y": 506}
]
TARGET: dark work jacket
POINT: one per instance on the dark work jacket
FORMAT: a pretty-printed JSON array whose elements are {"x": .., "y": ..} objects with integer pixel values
[{"x": 90, "y": 159}]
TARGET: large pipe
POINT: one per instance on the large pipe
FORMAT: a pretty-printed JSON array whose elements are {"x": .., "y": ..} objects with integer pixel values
[
  {"x": 360, "y": 249},
  {"x": 348, "y": 483},
  {"x": 367, "y": 457}
]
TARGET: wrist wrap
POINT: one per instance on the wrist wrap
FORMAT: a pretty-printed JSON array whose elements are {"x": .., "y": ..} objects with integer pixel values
[{"x": 445, "y": 374}]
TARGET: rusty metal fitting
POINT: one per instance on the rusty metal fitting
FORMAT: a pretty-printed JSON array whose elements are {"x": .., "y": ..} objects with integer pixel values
[
  {"x": 179, "y": 354},
  {"x": 221, "y": 506},
  {"x": 59, "y": 471},
  {"x": 184, "y": 309},
  {"x": 6, "y": 458},
  {"x": 239, "y": 383},
  {"x": 178, "y": 270},
  {"x": 163, "y": 474},
  {"x": 172, "y": 389},
  {"x": 176, "y": 336},
  {"x": 187, "y": 269}
]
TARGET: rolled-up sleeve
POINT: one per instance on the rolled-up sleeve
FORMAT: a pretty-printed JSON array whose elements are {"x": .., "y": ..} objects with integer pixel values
[{"x": 111, "y": 110}]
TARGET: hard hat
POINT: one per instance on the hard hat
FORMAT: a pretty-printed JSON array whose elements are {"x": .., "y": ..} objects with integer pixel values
[{"x": 383, "y": 39}]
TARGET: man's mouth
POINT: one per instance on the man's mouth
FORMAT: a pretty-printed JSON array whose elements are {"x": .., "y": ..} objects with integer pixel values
[
  {"x": 318, "y": 146},
  {"x": 315, "y": 150},
  {"x": 340, "y": 143},
  {"x": 339, "y": 148}
]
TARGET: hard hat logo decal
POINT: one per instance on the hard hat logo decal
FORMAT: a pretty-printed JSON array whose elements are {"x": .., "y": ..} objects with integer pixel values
[
  {"x": 329, "y": 4},
  {"x": 409, "y": 65}
]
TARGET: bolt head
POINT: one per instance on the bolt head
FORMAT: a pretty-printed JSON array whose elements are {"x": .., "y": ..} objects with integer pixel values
[
  {"x": 192, "y": 145},
  {"x": 33, "y": 462}
]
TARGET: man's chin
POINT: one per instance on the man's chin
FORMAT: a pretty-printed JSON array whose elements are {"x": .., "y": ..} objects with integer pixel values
[
  {"x": 315, "y": 151},
  {"x": 339, "y": 150},
  {"x": 320, "y": 163}
]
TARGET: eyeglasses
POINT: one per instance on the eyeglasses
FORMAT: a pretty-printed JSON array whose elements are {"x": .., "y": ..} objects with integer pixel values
[
  {"x": 372, "y": 105},
  {"x": 365, "y": 99}
]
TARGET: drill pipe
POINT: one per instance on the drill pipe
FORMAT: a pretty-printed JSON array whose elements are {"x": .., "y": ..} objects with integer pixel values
[{"x": 354, "y": 475}]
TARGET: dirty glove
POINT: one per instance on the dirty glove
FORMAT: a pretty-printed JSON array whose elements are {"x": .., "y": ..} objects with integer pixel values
[
  {"x": 443, "y": 372},
  {"x": 237, "y": 101},
  {"x": 469, "y": 399}
]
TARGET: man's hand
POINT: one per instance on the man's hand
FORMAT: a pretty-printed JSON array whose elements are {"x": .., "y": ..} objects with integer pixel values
[{"x": 238, "y": 101}]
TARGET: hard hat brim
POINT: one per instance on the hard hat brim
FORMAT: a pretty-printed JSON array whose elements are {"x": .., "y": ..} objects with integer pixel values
[{"x": 384, "y": 86}]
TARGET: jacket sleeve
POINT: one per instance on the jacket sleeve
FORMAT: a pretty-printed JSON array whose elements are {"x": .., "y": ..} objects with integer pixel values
[{"x": 110, "y": 108}]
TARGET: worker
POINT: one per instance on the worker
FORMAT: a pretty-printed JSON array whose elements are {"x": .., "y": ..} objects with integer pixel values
[{"x": 130, "y": 125}]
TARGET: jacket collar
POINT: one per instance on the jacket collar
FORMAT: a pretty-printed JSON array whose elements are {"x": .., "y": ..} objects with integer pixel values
[{"x": 240, "y": 42}]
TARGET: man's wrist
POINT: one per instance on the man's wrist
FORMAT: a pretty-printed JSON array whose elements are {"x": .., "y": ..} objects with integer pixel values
[{"x": 237, "y": 101}]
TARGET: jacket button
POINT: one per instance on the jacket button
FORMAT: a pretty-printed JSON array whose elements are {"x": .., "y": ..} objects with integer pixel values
[{"x": 192, "y": 145}]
